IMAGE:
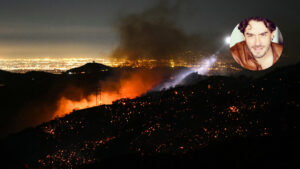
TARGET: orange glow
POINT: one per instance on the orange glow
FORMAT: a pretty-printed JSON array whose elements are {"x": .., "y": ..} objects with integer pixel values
[
  {"x": 67, "y": 106},
  {"x": 132, "y": 86},
  {"x": 233, "y": 109}
]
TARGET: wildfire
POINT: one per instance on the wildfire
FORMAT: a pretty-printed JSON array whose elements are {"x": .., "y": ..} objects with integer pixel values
[{"x": 131, "y": 86}]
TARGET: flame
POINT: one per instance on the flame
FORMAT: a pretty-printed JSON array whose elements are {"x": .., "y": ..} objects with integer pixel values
[
  {"x": 66, "y": 105},
  {"x": 132, "y": 86}
]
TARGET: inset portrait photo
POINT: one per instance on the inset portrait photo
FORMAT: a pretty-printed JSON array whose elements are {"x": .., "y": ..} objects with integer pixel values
[{"x": 256, "y": 43}]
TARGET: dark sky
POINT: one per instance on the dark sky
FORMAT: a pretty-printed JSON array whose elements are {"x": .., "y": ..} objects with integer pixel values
[{"x": 40, "y": 28}]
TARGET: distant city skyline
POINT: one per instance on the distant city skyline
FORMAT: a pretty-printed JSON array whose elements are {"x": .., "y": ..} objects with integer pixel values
[{"x": 57, "y": 66}]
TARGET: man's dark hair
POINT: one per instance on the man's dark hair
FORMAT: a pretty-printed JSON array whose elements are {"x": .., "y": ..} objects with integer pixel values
[{"x": 269, "y": 24}]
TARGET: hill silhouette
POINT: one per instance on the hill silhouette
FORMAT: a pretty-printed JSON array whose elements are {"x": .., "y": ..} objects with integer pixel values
[
  {"x": 90, "y": 68},
  {"x": 3, "y": 73},
  {"x": 218, "y": 122},
  {"x": 27, "y": 99}
]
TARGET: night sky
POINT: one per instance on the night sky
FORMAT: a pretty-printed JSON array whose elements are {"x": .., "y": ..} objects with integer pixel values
[{"x": 52, "y": 28}]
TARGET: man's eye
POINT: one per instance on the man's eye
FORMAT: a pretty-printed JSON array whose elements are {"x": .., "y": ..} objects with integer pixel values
[{"x": 250, "y": 36}]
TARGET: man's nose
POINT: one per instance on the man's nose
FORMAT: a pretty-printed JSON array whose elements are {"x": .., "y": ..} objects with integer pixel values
[{"x": 257, "y": 41}]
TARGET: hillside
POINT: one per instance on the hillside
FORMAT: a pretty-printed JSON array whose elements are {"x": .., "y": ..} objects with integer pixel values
[
  {"x": 219, "y": 122},
  {"x": 90, "y": 68}
]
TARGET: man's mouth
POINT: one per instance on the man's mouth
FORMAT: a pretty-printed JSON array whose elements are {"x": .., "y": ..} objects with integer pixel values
[{"x": 258, "y": 49}]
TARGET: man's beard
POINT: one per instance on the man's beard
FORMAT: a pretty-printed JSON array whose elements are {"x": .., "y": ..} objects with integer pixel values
[{"x": 261, "y": 55}]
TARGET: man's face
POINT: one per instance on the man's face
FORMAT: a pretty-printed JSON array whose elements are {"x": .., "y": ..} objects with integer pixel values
[{"x": 258, "y": 38}]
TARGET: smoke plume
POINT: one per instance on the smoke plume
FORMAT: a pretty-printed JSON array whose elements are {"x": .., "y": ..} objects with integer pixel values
[{"x": 154, "y": 34}]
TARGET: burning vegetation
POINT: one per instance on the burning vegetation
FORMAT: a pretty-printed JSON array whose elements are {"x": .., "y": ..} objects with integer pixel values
[{"x": 129, "y": 84}]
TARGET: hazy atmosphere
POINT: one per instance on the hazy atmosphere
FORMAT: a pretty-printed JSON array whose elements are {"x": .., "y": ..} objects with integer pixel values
[{"x": 52, "y": 28}]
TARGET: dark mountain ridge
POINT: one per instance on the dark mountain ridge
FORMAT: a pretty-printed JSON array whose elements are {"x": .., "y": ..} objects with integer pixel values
[{"x": 227, "y": 122}]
